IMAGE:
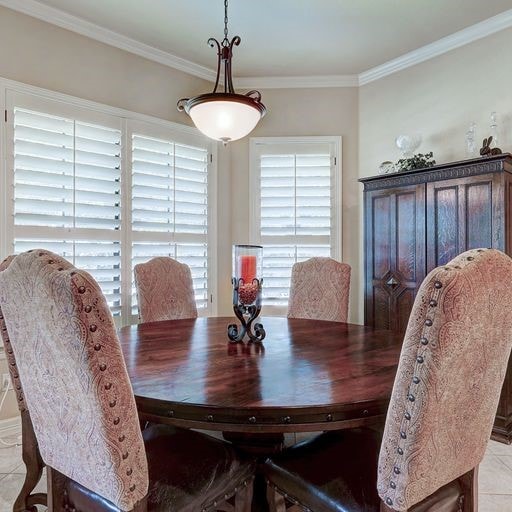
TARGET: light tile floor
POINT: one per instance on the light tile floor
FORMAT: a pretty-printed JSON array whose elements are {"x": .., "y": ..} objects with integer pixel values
[{"x": 495, "y": 478}]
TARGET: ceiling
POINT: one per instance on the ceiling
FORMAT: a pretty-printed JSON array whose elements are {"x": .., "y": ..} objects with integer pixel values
[{"x": 287, "y": 37}]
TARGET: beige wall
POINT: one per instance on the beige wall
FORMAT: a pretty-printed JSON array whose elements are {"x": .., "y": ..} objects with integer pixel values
[
  {"x": 302, "y": 112},
  {"x": 438, "y": 99},
  {"x": 37, "y": 53}
]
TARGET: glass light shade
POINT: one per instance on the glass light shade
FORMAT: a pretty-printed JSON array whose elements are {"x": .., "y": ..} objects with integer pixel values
[{"x": 225, "y": 120}]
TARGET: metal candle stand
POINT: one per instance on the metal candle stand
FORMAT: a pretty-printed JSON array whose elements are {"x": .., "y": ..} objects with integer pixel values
[{"x": 246, "y": 311}]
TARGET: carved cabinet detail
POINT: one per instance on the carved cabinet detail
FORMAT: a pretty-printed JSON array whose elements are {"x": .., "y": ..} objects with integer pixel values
[{"x": 418, "y": 220}]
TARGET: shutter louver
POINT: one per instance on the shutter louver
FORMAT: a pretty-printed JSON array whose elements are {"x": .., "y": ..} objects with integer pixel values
[
  {"x": 295, "y": 195},
  {"x": 67, "y": 176},
  {"x": 313, "y": 194},
  {"x": 170, "y": 200}
]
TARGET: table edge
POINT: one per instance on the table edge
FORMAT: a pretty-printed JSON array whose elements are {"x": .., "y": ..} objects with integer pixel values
[{"x": 263, "y": 419}]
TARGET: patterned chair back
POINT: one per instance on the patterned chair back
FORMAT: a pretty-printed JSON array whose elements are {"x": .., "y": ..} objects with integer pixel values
[
  {"x": 320, "y": 290},
  {"x": 11, "y": 360},
  {"x": 449, "y": 378},
  {"x": 165, "y": 290},
  {"x": 74, "y": 377}
]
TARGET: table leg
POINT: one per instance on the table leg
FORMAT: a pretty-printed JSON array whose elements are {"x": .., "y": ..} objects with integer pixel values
[
  {"x": 26, "y": 501},
  {"x": 261, "y": 446}
]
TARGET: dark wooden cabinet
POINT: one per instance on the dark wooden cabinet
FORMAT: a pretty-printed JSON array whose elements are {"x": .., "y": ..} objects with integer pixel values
[{"x": 418, "y": 220}]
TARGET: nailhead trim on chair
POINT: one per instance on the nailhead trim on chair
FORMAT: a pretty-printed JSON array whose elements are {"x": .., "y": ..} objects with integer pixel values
[
  {"x": 93, "y": 328},
  {"x": 422, "y": 353},
  {"x": 96, "y": 337},
  {"x": 212, "y": 505},
  {"x": 286, "y": 496}
]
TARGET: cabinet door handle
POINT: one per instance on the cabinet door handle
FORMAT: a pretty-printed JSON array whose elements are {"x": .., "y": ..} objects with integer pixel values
[{"x": 392, "y": 282}]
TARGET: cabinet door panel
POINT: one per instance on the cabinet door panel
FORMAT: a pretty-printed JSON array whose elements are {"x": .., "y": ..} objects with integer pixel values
[
  {"x": 395, "y": 248},
  {"x": 463, "y": 214},
  {"x": 446, "y": 223},
  {"x": 406, "y": 235},
  {"x": 478, "y": 215},
  {"x": 381, "y": 236}
]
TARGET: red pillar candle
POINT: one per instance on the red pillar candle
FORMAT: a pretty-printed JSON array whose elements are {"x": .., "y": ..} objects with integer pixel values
[{"x": 247, "y": 267}]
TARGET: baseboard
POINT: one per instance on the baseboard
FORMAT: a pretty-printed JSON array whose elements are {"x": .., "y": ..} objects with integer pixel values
[{"x": 10, "y": 426}]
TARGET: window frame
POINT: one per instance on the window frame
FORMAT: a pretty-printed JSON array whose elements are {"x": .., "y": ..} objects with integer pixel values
[
  {"x": 336, "y": 237},
  {"x": 15, "y": 94}
]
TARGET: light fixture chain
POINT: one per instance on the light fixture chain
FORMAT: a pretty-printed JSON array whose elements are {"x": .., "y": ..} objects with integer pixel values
[{"x": 226, "y": 19}]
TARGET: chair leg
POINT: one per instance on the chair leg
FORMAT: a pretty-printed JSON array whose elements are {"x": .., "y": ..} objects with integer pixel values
[
  {"x": 469, "y": 483},
  {"x": 56, "y": 488},
  {"x": 26, "y": 501},
  {"x": 243, "y": 498},
  {"x": 275, "y": 500}
]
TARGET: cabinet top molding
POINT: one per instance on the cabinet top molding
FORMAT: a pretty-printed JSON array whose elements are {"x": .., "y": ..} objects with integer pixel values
[{"x": 462, "y": 169}]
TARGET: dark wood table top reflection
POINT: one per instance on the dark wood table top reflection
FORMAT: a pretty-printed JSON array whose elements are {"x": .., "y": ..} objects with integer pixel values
[{"x": 308, "y": 375}]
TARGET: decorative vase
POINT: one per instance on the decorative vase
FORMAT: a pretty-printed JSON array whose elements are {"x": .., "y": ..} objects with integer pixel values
[
  {"x": 247, "y": 283},
  {"x": 387, "y": 167},
  {"x": 471, "y": 147},
  {"x": 408, "y": 144}
]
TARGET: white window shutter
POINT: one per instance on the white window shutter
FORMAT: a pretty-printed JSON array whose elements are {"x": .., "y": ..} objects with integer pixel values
[
  {"x": 67, "y": 194},
  {"x": 295, "y": 215},
  {"x": 170, "y": 207}
]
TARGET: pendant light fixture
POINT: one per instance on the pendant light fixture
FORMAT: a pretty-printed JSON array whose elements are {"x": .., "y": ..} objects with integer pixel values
[{"x": 225, "y": 115}]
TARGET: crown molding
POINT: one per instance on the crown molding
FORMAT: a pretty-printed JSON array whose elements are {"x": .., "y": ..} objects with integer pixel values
[
  {"x": 93, "y": 31},
  {"x": 456, "y": 40},
  {"x": 69, "y": 22},
  {"x": 296, "y": 82}
]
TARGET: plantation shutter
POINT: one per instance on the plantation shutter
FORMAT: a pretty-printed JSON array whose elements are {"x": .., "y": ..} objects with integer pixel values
[
  {"x": 295, "y": 195},
  {"x": 67, "y": 194},
  {"x": 295, "y": 213},
  {"x": 170, "y": 207}
]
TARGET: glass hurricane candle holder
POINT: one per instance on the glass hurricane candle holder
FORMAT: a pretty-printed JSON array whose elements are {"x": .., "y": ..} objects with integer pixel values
[{"x": 247, "y": 282}]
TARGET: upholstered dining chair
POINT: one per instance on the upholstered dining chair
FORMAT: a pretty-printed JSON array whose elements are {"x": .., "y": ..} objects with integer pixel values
[
  {"x": 451, "y": 370},
  {"x": 83, "y": 411},
  {"x": 26, "y": 499},
  {"x": 319, "y": 290},
  {"x": 165, "y": 290}
]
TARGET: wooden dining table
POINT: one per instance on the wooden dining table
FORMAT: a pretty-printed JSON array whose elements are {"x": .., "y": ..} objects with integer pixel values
[{"x": 307, "y": 375}]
